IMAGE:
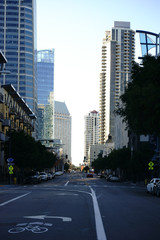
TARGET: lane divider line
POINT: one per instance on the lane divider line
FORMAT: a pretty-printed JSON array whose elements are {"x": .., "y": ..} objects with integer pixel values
[
  {"x": 98, "y": 219},
  {"x": 66, "y": 183},
  {"x": 14, "y": 199}
]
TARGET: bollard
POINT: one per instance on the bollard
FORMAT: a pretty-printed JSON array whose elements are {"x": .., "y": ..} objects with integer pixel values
[{"x": 14, "y": 180}]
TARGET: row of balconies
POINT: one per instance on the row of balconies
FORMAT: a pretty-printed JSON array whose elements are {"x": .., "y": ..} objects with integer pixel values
[
  {"x": 102, "y": 104},
  {"x": 3, "y": 137},
  {"x": 11, "y": 123}
]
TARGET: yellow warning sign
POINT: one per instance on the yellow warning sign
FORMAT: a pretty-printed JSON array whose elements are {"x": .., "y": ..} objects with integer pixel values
[
  {"x": 151, "y": 164},
  {"x": 10, "y": 168}
]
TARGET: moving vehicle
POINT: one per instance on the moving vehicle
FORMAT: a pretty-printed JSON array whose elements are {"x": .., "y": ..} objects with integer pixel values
[{"x": 152, "y": 184}]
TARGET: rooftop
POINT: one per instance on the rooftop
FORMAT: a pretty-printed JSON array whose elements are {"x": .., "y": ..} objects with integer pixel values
[{"x": 61, "y": 108}]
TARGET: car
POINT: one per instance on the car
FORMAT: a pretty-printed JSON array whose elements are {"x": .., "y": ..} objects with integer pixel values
[
  {"x": 113, "y": 178},
  {"x": 44, "y": 176},
  {"x": 103, "y": 175},
  {"x": 152, "y": 184},
  {"x": 53, "y": 174},
  {"x": 58, "y": 173},
  {"x": 33, "y": 177},
  {"x": 156, "y": 189},
  {"x": 49, "y": 176},
  {"x": 89, "y": 175}
]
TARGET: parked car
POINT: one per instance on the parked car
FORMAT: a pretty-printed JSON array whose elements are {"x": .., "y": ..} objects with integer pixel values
[
  {"x": 152, "y": 184},
  {"x": 103, "y": 175},
  {"x": 49, "y": 176},
  {"x": 156, "y": 189},
  {"x": 113, "y": 178},
  {"x": 33, "y": 177},
  {"x": 53, "y": 174},
  {"x": 44, "y": 176},
  {"x": 58, "y": 173}
]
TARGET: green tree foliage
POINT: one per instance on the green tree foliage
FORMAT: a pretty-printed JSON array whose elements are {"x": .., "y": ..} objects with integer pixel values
[
  {"x": 119, "y": 159},
  {"x": 116, "y": 159},
  {"x": 86, "y": 169},
  {"x": 130, "y": 167},
  {"x": 28, "y": 153},
  {"x": 140, "y": 107},
  {"x": 99, "y": 164}
]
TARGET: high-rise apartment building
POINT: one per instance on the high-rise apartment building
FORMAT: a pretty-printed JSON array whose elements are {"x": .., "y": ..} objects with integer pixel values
[
  {"x": 118, "y": 52},
  {"x": 91, "y": 134},
  {"x": 45, "y": 92},
  {"x": 18, "y": 43},
  {"x": 62, "y": 127}
]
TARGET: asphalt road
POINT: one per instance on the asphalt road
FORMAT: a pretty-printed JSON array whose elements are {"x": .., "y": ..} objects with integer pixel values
[{"x": 73, "y": 207}]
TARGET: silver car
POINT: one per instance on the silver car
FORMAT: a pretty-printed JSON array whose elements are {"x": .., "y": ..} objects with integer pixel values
[
  {"x": 44, "y": 176},
  {"x": 152, "y": 184}
]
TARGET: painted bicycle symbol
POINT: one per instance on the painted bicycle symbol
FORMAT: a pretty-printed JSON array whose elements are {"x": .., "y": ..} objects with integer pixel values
[{"x": 34, "y": 227}]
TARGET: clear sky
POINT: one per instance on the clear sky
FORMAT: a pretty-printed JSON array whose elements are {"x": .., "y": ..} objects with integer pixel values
[{"x": 75, "y": 29}]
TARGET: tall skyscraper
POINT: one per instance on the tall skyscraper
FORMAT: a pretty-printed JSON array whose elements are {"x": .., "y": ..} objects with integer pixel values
[
  {"x": 18, "y": 43},
  {"x": 45, "y": 79},
  {"x": 62, "y": 127},
  {"x": 118, "y": 52},
  {"x": 91, "y": 134},
  {"x": 45, "y": 74}
]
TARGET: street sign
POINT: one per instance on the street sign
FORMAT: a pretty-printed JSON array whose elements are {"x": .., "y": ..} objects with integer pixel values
[
  {"x": 10, "y": 168},
  {"x": 151, "y": 164},
  {"x": 9, "y": 160},
  {"x": 9, "y": 164}
]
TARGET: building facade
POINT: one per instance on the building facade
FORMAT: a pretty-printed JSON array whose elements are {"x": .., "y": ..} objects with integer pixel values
[
  {"x": 15, "y": 115},
  {"x": 95, "y": 150},
  {"x": 91, "y": 134},
  {"x": 45, "y": 92},
  {"x": 62, "y": 128},
  {"x": 18, "y": 43},
  {"x": 45, "y": 74},
  {"x": 118, "y": 53},
  {"x": 150, "y": 43}
]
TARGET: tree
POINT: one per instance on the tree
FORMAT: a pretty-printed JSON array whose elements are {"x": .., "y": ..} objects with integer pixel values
[
  {"x": 99, "y": 164},
  {"x": 140, "y": 107},
  {"x": 85, "y": 169},
  {"x": 28, "y": 153}
]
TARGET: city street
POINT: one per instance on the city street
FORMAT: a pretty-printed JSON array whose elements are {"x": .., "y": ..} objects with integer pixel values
[{"x": 72, "y": 206}]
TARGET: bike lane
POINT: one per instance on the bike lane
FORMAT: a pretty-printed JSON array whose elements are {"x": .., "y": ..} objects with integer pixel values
[{"x": 65, "y": 213}]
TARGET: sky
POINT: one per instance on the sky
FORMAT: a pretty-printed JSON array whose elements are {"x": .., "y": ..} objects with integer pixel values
[{"x": 75, "y": 29}]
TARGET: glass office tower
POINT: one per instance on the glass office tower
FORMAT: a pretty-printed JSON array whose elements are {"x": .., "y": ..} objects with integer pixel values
[
  {"x": 18, "y": 43},
  {"x": 45, "y": 74},
  {"x": 45, "y": 79}
]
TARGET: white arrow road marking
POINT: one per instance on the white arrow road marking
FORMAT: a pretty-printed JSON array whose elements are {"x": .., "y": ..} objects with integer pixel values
[{"x": 64, "y": 219}]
